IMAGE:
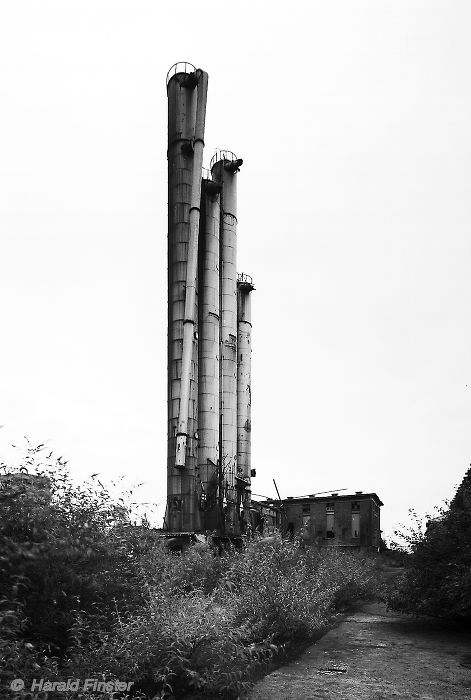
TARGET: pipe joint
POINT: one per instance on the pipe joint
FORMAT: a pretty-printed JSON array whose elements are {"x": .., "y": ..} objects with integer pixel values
[
  {"x": 245, "y": 286},
  {"x": 188, "y": 148},
  {"x": 233, "y": 166},
  {"x": 212, "y": 188},
  {"x": 190, "y": 80}
]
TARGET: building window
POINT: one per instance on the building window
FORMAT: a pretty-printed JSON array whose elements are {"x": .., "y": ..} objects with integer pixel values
[
  {"x": 177, "y": 503},
  {"x": 355, "y": 505},
  {"x": 330, "y": 520},
  {"x": 356, "y": 525},
  {"x": 306, "y": 508}
]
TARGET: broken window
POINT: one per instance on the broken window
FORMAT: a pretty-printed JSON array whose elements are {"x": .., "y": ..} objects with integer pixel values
[
  {"x": 355, "y": 524},
  {"x": 330, "y": 520}
]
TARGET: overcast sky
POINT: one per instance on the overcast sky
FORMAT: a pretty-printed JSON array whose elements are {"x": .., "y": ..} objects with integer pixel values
[{"x": 353, "y": 120}]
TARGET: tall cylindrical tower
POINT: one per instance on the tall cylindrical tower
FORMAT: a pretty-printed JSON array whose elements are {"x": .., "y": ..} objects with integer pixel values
[
  {"x": 224, "y": 167},
  {"x": 244, "y": 390},
  {"x": 186, "y": 90},
  {"x": 208, "y": 355}
]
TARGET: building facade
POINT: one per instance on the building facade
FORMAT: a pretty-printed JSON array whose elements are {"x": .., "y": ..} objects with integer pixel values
[{"x": 348, "y": 521}]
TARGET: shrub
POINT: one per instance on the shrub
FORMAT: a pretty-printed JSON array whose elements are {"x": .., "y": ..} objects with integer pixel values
[
  {"x": 68, "y": 565},
  {"x": 437, "y": 580},
  {"x": 86, "y": 594},
  {"x": 189, "y": 638},
  {"x": 179, "y": 643},
  {"x": 275, "y": 591},
  {"x": 290, "y": 593},
  {"x": 198, "y": 568}
]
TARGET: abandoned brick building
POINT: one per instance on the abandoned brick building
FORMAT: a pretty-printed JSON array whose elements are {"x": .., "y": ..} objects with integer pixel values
[{"x": 343, "y": 521}]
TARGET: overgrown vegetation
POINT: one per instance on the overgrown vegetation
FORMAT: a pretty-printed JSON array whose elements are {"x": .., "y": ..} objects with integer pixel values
[
  {"x": 86, "y": 594},
  {"x": 437, "y": 579}
]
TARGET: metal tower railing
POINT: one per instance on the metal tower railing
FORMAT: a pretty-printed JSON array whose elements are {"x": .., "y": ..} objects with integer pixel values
[
  {"x": 242, "y": 278},
  {"x": 222, "y": 154},
  {"x": 180, "y": 67}
]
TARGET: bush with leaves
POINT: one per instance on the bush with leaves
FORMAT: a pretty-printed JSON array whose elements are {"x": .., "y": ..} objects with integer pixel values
[
  {"x": 180, "y": 643},
  {"x": 288, "y": 592},
  {"x": 69, "y": 564},
  {"x": 86, "y": 594},
  {"x": 267, "y": 597},
  {"x": 437, "y": 580},
  {"x": 198, "y": 568},
  {"x": 276, "y": 592}
]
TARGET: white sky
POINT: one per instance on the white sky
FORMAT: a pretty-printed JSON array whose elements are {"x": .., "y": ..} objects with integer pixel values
[{"x": 353, "y": 120}]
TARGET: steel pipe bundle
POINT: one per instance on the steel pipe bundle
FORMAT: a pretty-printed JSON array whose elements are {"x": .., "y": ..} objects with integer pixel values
[{"x": 208, "y": 462}]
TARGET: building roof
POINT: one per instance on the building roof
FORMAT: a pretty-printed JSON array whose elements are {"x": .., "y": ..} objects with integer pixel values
[{"x": 358, "y": 496}]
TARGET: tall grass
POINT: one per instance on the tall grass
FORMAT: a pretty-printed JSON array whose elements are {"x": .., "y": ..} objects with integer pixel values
[
  {"x": 86, "y": 594},
  {"x": 210, "y": 621}
]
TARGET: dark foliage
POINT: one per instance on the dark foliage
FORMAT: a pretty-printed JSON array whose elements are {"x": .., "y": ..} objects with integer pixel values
[
  {"x": 69, "y": 564},
  {"x": 437, "y": 580},
  {"x": 86, "y": 594}
]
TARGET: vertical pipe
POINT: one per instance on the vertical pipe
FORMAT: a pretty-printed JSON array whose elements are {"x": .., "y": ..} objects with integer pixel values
[
  {"x": 190, "y": 319},
  {"x": 208, "y": 355},
  {"x": 244, "y": 389},
  {"x": 185, "y": 123},
  {"x": 224, "y": 171}
]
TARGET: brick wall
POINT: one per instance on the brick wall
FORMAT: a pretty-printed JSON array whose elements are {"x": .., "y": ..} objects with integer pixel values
[{"x": 334, "y": 521}]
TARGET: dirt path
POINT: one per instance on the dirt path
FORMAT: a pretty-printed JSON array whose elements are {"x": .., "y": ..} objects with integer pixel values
[{"x": 376, "y": 655}]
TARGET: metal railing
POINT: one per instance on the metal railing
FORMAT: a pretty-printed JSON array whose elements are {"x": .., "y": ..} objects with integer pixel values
[
  {"x": 222, "y": 154},
  {"x": 180, "y": 67},
  {"x": 244, "y": 279},
  {"x": 206, "y": 174}
]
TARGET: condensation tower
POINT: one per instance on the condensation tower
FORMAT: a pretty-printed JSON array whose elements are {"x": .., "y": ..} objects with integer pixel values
[{"x": 209, "y": 327}]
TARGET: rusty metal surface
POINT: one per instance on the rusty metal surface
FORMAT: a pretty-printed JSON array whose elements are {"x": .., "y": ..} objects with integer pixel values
[
  {"x": 190, "y": 320},
  {"x": 244, "y": 381},
  {"x": 228, "y": 330},
  {"x": 208, "y": 356},
  {"x": 182, "y": 513}
]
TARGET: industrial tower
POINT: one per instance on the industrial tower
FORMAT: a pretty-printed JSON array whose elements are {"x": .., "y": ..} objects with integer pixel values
[{"x": 209, "y": 327}]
